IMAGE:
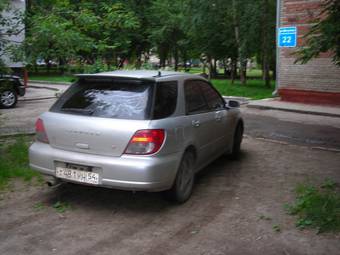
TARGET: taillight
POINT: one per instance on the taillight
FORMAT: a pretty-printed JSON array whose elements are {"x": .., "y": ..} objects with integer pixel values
[
  {"x": 40, "y": 131},
  {"x": 145, "y": 142}
]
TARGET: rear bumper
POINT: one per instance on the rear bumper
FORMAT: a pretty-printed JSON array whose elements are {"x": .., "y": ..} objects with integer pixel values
[{"x": 125, "y": 172}]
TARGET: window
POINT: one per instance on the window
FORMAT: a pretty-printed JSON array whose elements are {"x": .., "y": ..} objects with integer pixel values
[
  {"x": 194, "y": 100},
  {"x": 212, "y": 97},
  {"x": 166, "y": 99},
  {"x": 120, "y": 99}
]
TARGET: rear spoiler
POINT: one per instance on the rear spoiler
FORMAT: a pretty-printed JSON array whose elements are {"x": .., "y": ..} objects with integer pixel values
[{"x": 110, "y": 78}]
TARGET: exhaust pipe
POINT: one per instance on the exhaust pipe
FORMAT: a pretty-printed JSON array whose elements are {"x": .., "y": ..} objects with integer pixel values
[{"x": 51, "y": 181}]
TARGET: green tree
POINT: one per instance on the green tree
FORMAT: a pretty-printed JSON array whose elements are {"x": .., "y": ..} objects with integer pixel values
[
  {"x": 211, "y": 31},
  {"x": 9, "y": 26},
  {"x": 324, "y": 36},
  {"x": 140, "y": 43},
  {"x": 167, "y": 30},
  {"x": 80, "y": 30},
  {"x": 266, "y": 50}
]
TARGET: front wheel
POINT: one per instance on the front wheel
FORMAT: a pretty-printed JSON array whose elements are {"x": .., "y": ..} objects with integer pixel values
[
  {"x": 8, "y": 98},
  {"x": 184, "y": 182}
]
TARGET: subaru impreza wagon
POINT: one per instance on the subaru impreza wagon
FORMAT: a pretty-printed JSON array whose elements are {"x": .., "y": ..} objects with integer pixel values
[{"x": 136, "y": 130}]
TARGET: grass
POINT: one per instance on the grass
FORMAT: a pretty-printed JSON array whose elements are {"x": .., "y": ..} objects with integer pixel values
[
  {"x": 317, "y": 207},
  {"x": 14, "y": 162},
  {"x": 53, "y": 78},
  {"x": 251, "y": 73},
  {"x": 255, "y": 89},
  {"x": 61, "y": 207}
]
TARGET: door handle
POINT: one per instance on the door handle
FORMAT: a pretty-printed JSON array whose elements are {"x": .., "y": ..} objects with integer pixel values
[
  {"x": 196, "y": 123},
  {"x": 218, "y": 116}
]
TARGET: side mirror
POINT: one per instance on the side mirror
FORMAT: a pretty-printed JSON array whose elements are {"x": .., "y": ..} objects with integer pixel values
[{"x": 233, "y": 104}]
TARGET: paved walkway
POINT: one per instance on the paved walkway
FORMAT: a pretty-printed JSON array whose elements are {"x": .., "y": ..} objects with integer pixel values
[
  {"x": 39, "y": 97},
  {"x": 276, "y": 104},
  {"x": 40, "y": 90}
]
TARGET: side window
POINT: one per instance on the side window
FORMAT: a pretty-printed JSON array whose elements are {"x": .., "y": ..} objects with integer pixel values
[
  {"x": 213, "y": 99},
  {"x": 194, "y": 100},
  {"x": 166, "y": 99}
]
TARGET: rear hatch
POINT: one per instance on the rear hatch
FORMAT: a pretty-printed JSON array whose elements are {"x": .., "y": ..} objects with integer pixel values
[{"x": 99, "y": 116}]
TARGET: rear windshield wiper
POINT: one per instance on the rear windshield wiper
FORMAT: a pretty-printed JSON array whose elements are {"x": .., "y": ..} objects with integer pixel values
[{"x": 78, "y": 110}]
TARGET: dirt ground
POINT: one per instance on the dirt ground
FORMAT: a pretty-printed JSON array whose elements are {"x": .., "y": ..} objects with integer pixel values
[{"x": 222, "y": 217}]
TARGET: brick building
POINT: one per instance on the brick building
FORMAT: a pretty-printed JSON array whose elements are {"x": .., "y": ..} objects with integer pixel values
[{"x": 318, "y": 81}]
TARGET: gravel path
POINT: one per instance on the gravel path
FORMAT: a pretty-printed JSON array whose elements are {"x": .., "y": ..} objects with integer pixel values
[{"x": 222, "y": 217}]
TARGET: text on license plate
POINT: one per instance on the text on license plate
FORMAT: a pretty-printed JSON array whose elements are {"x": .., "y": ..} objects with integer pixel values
[{"x": 77, "y": 175}]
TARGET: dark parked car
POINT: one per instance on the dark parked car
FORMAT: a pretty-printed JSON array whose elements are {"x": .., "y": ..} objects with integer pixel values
[{"x": 10, "y": 88}]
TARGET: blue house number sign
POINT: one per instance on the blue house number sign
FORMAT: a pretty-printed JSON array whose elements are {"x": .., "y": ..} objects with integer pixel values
[{"x": 287, "y": 37}]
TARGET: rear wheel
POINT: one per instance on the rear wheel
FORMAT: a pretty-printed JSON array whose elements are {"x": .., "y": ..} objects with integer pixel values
[
  {"x": 184, "y": 182},
  {"x": 8, "y": 98},
  {"x": 238, "y": 136}
]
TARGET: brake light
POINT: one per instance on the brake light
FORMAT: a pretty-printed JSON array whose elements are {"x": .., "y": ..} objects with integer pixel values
[
  {"x": 40, "y": 131},
  {"x": 146, "y": 142}
]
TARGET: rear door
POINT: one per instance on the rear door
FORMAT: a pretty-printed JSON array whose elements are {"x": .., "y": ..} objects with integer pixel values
[
  {"x": 99, "y": 116},
  {"x": 199, "y": 121}
]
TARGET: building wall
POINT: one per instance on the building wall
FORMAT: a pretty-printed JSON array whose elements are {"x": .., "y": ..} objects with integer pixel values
[{"x": 318, "y": 81}]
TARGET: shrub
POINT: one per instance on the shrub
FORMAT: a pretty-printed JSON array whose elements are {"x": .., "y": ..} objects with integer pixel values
[{"x": 317, "y": 207}]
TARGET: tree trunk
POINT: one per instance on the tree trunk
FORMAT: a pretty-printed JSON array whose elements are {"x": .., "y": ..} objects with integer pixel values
[
  {"x": 225, "y": 68},
  {"x": 215, "y": 67},
  {"x": 210, "y": 67},
  {"x": 243, "y": 71},
  {"x": 162, "y": 56},
  {"x": 265, "y": 46},
  {"x": 48, "y": 65},
  {"x": 233, "y": 71},
  {"x": 138, "y": 59},
  {"x": 238, "y": 43},
  {"x": 62, "y": 65},
  {"x": 274, "y": 72},
  {"x": 176, "y": 58}
]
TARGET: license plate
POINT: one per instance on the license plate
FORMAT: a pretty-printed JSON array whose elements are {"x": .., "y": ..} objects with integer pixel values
[{"x": 77, "y": 175}]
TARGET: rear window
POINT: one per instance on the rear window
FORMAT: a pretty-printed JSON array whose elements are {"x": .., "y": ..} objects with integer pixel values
[{"x": 119, "y": 99}]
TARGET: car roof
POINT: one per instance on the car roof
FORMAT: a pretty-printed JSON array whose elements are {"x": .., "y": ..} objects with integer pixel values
[{"x": 138, "y": 74}]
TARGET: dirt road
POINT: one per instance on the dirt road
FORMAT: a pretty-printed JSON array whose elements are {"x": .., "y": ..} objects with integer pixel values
[{"x": 224, "y": 216}]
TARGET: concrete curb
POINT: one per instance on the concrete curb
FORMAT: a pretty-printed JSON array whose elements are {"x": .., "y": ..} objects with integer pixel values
[
  {"x": 16, "y": 134},
  {"x": 241, "y": 100},
  {"x": 49, "y": 82},
  {"x": 39, "y": 98},
  {"x": 42, "y": 87},
  {"x": 35, "y": 99},
  {"x": 265, "y": 107}
]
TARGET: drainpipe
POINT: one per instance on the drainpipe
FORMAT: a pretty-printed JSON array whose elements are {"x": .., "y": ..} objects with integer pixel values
[{"x": 278, "y": 23}]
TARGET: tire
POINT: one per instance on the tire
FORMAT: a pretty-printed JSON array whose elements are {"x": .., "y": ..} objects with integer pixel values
[
  {"x": 8, "y": 98},
  {"x": 238, "y": 136},
  {"x": 184, "y": 182}
]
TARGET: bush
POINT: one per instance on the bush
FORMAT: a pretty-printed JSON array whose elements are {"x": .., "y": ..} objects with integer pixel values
[
  {"x": 317, "y": 207},
  {"x": 97, "y": 67}
]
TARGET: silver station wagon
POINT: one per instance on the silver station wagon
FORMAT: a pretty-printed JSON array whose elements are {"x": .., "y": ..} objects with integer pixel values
[{"x": 136, "y": 130}]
